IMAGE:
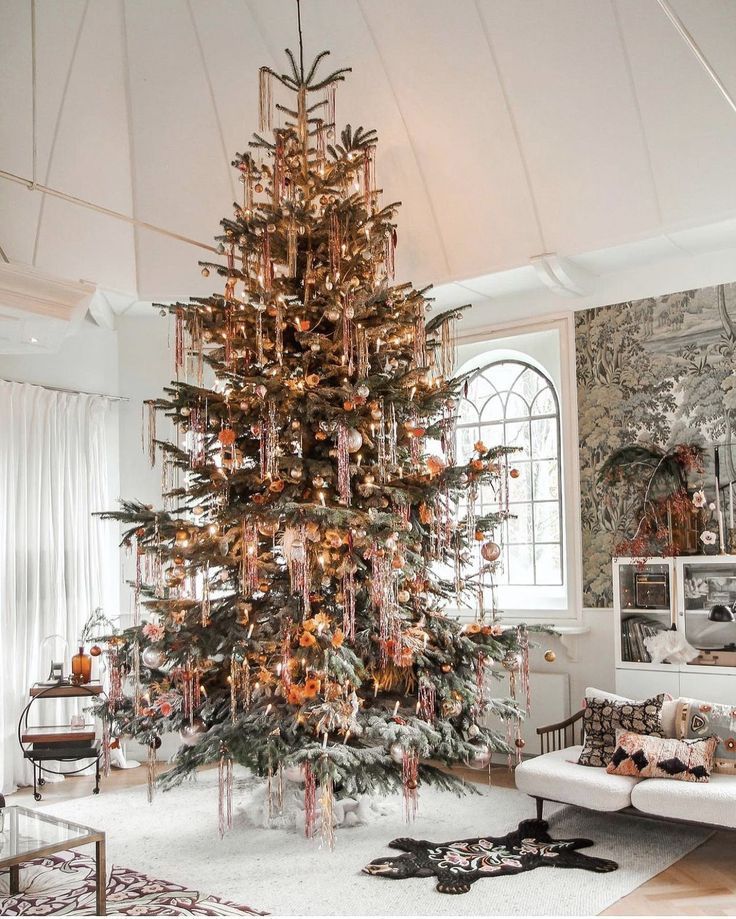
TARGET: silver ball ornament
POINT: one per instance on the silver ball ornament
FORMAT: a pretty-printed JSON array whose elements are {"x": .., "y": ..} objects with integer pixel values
[
  {"x": 191, "y": 733},
  {"x": 152, "y": 658},
  {"x": 481, "y": 757}
]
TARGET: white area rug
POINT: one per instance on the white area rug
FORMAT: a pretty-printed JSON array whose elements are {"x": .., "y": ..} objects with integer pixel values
[{"x": 281, "y": 872}]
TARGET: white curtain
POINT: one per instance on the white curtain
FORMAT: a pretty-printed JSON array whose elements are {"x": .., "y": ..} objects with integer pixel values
[{"x": 56, "y": 559}]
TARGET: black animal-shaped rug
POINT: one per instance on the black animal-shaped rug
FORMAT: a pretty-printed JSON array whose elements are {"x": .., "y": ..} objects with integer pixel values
[{"x": 457, "y": 865}]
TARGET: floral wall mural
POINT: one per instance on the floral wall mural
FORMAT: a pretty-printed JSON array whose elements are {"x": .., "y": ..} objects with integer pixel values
[{"x": 660, "y": 371}]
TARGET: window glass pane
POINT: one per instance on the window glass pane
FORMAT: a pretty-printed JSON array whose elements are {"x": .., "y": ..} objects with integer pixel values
[
  {"x": 520, "y": 525},
  {"x": 481, "y": 388},
  {"x": 492, "y": 434},
  {"x": 547, "y": 521},
  {"x": 549, "y": 567},
  {"x": 544, "y": 438},
  {"x": 467, "y": 412},
  {"x": 466, "y": 438},
  {"x": 545, "y": 403},
  {"x": 529, "y": 384},
  {"x": 516, "y": 407},
  {"x": 492, "y": 409},
  {"x": 517, "y": 435},
  {"x": 489, "y": 499},
  {"x": 546, "y": 480},
  {"x": 520, "y": 487},
  {"x": 521, "y": 565}
]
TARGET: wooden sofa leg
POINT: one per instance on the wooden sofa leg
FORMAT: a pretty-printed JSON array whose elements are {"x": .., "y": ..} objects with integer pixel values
[{"x": 540, "y": 808}]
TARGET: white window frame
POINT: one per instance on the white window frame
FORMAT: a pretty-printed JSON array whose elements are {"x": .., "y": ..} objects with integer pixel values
[{"x": 571, "y": 611}]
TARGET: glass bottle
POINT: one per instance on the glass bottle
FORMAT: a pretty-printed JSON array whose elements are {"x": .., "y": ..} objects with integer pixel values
[{"x": 81, "y": 667}]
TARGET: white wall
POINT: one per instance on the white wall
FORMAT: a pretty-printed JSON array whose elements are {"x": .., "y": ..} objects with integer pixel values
[{"x": 145, "y": 366}]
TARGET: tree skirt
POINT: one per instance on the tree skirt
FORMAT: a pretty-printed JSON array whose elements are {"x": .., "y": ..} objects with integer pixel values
[
  {"x": 285, "y": 874},
  {"x": 64, "y": 884}
]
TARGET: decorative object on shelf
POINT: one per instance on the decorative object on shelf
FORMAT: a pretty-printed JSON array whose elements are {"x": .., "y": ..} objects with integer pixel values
[
  {"x": 458, "y": 865},
  {"x": 55, "y": 649},
  {"x": 305, "y": 521},
  {"x": 658, "y": 520},
  {"x": 81, "y": 667},
  {"x": 645, "y": 757},
  {"x": 671, "y": 646},
  {"x": 721, "y": 613},
  {"x": 604, "y": 717}
]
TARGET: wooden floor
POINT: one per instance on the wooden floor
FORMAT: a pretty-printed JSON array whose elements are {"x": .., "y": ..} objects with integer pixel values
[{"x": 702, "y": 883}]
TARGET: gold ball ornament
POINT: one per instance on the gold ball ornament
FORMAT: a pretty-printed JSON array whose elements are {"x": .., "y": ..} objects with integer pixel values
[
  {"x": 520, "y": 743},
  {"x": 205, "y": 272},
  {"x": 550, "y": 656}
]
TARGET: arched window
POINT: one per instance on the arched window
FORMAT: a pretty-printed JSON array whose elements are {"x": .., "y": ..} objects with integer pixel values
[{"x": 513, "y": 403}]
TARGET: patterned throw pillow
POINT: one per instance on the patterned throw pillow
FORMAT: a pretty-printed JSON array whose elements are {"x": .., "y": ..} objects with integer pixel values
[
  {"x": 646, "y": 757},
  {"x": 603, "y": 717},
  {"x": 701, "y": 719}
]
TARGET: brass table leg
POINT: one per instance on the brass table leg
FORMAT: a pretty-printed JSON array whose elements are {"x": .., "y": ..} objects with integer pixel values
[
  {"x": 14, "y": 880},
  {"x": 101, "y": 878}
]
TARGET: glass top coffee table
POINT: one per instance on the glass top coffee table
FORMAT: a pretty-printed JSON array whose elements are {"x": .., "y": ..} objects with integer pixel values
[{"x": 29, "y": 834}]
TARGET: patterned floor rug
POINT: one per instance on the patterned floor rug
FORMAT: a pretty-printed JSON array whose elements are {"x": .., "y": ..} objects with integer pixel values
[{"x": 64, "y": 884}]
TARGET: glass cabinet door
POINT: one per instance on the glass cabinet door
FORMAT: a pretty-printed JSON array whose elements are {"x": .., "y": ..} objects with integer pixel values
[
  {"x": 645, "y": 604},
  {"x": 708, "y": 608}
]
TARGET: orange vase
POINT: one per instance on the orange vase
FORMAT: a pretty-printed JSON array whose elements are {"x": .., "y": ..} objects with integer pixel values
[{"x": 81, "y": 667}]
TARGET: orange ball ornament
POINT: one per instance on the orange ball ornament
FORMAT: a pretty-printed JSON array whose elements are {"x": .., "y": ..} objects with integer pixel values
[
  {"x": 514, "y": 473},
  {"x": 95, "y": 650},
  {"x": 226, "y": 437}
]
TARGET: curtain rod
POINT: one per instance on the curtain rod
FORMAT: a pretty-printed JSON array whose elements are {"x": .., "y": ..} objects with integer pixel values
[{"x": 74, "y": 392}]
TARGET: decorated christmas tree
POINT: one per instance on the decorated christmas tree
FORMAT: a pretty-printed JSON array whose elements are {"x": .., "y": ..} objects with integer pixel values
[{"x": 290, "y": 596}]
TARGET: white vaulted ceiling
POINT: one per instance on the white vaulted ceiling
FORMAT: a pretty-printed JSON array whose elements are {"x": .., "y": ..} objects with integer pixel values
[{"x": 508, "y": 129}]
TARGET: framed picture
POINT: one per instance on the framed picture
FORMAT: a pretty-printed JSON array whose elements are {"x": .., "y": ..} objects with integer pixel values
[{"x": 651, "y": 590}]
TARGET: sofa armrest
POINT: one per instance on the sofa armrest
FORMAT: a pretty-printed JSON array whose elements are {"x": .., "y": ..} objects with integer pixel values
[{"x": 564, "y": 734}]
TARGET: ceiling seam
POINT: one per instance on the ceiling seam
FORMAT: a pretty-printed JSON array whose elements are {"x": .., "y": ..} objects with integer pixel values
[
  {"x": 514, "y": 126},
  {"x": 412, "y": 146},
  {"x": 695, "y": 48},
  {"x": 57, "y": 124},
  {"x": 131, "y": 143},
  {"x": 210, "y": 88},
  {"x": 639, "y": 115}
]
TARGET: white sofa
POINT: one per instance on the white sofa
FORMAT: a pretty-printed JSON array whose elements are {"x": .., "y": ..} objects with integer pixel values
[{"x": 556, "y": 776}]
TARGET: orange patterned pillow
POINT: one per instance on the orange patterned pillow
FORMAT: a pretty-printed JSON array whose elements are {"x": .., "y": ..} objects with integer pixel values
[{"x": 647, "y": 757}]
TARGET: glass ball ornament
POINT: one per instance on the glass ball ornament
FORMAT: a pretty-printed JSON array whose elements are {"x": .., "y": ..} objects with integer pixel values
[
  {"x": 95, "y": 650},
  {"x": 191, "y": 733},
  {"x": 396, "y": 752},
  {"x": 481, "y": 757},
  {"x": 490, "y": 551},
  {"x": 152, "y": 658},
  {"x": 355, "y": 440},
  {"x": 451, "y": 708},
  {"x": 473, "y": 731},
  {"x": 550, "y": 656},
  {"x": 293, "y": 773},
  {"x": 363, "y": 391}
]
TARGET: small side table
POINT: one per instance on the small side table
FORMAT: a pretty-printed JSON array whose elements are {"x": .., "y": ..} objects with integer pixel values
[{"x": 29, "y": 834}]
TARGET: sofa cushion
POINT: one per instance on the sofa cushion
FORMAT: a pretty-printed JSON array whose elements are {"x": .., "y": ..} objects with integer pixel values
[
  {"x": 713, "y": 802},
  {"x": 604, "y": 717},
  {"x": 558, "y": 777},
  {"x": 663, "y": 757},
  {"x": 700, "y": 719},
  {"x": 666, "y": 716}
]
